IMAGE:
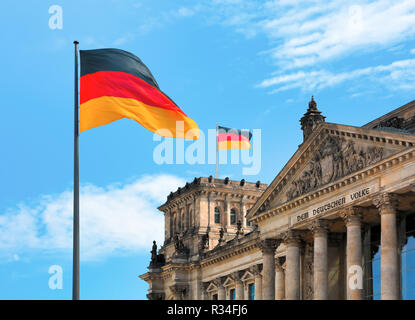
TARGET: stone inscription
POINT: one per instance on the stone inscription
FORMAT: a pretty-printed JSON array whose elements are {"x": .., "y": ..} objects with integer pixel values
[{"x": 330, "y": 205}]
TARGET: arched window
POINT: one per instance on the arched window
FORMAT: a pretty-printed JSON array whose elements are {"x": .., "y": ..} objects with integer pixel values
[
  {"x": 217, "y": 215},
  {"x": 233, "y": 216}
]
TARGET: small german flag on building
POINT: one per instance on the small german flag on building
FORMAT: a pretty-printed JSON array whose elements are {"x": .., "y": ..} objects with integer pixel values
[
  {"x": 229, "y": 138},
  {"x": 116, "y": 84}
]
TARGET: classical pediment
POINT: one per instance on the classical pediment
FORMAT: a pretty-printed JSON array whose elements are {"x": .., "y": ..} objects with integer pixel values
[
  {"x": 247, "y": 276},
  {"x": 332, "y": 152},
  {"x": 228, "y": 282},
  {"x": 212, "y": 287}
]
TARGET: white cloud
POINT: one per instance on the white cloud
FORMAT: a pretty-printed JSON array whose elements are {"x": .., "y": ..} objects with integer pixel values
[
  {"x": 185, "y": 12},
  {"x": 115, "y": 218},
  {"x": 399, "y": 75},
  {"x": 308, "y": 36}
]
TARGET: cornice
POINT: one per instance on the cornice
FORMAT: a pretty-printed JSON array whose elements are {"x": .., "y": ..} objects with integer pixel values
[
  {"x": 370, "y": 171},
  {"x": 228, "y": 251},
  {"x": 306, "y": 150}
]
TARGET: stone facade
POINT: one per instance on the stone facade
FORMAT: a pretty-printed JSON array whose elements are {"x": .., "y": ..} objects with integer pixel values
[{"x": 311, "y": 234}]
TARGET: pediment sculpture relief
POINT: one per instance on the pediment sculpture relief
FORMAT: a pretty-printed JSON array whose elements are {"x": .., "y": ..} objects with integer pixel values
[{"x": 336, "y": 157}]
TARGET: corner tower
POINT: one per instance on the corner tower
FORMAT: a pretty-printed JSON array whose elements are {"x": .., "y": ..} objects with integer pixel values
[{"x": 311, "y": 119}]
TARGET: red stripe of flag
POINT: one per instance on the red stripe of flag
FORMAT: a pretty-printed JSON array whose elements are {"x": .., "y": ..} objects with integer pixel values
[
  {"x": 223, "y": 136},
  {"x": 123, "y": 85}
]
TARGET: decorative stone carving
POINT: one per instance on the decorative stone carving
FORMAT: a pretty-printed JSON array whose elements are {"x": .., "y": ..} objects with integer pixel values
[
  {"x": 256, "y": 269},
  {"x": 386, "y": 202},
  {"x": 336, "y": 157},
  {"x": 204, "y": 242},
  {"x": 155, "y": 296},
  {"x": 221, "y": 234},
  {"x": 352, "y": 215},
  {"x": 218, "y": 282},
  {"x": 308, "y": 271},
  {"x": 394, "y": 122},
  {"x": 319, "y": 227},
  {"x": 238, "y": 228},
  {"x": 268, "y": 245},
  {"x": 311, "y": 119},
  {"x": 157, "y": 260},
  {"x": 179, "y": 246},
  {"x": 292, "y": 237},
  {"x": 178, "y": 291},
  {"x": 236, "y": 276}
]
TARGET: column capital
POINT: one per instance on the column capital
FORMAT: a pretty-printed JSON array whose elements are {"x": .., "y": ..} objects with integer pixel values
[
  {"x": 256, "y": 269},
  {"x": 319, "y": 227},
  {"x": 218, "y": 282},
  {"x": 352, "y": 216},
  {"x": 268, "y": 245},
  {"x": 236, "y": 276},
  {"x": 279, "y": 262},
  {"x": 178, "y": 290},
  {"x": 292, "y": 237},
  {"x": 205, "y": 285},
  {"x": 212, "y": 196},
  {"x": 386, "y": 202}
]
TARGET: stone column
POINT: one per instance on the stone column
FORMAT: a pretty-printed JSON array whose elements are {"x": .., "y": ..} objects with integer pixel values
[
  {"x": 389, "y": 258},
  {"x": 320, "y": 232},
  {"x": 256, "y": 271},
  {"x": 268, "y": 247},
  {"x": 204, "y": 286},
  {"x": 354, "y": 280},
  {"x": 239, "y": 286},
  {"x": 167, "y": 224},
  {"x": 228, "y": 213},
  {"x": 243, "y": 213},
  {"x": 292, "y": 242},
  {"x": 279, "y": 280},
  {"x": 221, "y": 289},
  {"x": 178, "y": 291}
]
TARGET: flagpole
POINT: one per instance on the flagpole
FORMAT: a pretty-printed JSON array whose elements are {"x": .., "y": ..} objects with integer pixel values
[
  {"x": 75, "y": 268},
  {"x": 217, "y": 152}
]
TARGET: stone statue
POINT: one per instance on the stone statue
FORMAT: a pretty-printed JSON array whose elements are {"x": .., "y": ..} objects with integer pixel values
[
  {"x": 179, "y": 245},
  {"x": 221, "y": 233},
  {"x": 154, "y": 253},
  {"x": 238, "y": 228},
  {"x": 204, "y": 242},
  {"x": 157, "y": 260}
]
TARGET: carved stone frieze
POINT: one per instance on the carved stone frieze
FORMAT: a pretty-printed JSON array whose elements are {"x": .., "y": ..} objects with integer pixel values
[{"x": 336, "y": 157}]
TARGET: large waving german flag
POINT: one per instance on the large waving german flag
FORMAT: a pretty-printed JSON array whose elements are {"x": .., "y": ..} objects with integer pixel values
[
  {"x": 116, "y": 84},
  {"x": 229, "y": 138}
]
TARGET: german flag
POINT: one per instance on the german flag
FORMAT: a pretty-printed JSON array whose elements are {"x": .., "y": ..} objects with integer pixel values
[
  {"x": 229, "y": 138},
  {"x": 116, "y": 84}
]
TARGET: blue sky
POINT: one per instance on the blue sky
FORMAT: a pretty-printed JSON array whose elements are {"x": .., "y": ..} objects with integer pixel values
[{"x": 243, "y": 64}]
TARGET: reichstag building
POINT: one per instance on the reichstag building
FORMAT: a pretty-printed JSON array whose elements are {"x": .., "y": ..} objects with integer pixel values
[{"x": 337, "y": 222}]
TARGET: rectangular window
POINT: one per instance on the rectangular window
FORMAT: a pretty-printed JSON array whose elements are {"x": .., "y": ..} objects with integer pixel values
[
  {"x": 251, "y": 291},
  {"x": 232, "y": 294},
  {"x": 215, "y": 297}
]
